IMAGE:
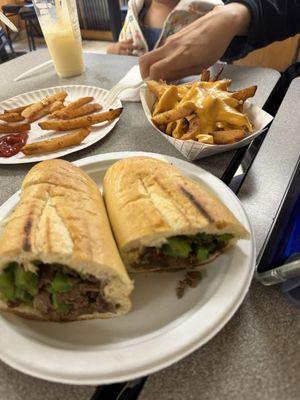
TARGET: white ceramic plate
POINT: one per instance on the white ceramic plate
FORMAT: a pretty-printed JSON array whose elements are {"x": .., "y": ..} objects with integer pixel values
[
  {"x": 36, "y": 134},
  {"x": 159, "y": 330}
]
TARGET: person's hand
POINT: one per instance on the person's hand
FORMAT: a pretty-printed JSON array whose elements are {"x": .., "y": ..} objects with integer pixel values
[
  {"x": 197, "y": 46},
  {"x": 124, "y": 48}
]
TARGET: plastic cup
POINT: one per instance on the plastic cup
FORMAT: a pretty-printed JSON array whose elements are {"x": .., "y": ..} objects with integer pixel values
[{"x": 60, "y": 26}]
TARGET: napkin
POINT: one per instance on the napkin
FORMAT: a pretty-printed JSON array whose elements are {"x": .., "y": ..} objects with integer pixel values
[{"x": 132, "y": 77}]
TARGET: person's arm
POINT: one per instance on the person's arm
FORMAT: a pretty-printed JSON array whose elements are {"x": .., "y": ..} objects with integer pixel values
[
  {"x": 227, "y": 32},
  {"x": 198, "y": 45},
  {"x": 271, "y": 20},
  {"x": 123, "y": 47}
]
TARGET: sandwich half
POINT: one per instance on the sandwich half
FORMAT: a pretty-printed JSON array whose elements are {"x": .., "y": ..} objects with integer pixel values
[
  {"x": 163, "y": 220},
  {"x": 58, "y": 257}
]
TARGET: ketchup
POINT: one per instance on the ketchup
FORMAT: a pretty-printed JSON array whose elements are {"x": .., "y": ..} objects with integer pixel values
[{"x": 10, "y": 145}]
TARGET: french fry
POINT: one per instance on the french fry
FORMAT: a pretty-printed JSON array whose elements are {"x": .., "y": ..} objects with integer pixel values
[
  {"x": 203, "y": 110},
  {"x": 157, "y": 88},
  {"x": 182, "y": 90},
  {"x": 57, "y": 105},
  {"x": 232, "y": 102},
  {"x": 224, "y": 126},
  {"x": 170, "y": 127},
  {"x": 17, "y": 110},
  {"x": 194, "y": 129},
  {"x": 81, "y": 122},
  {"x": 46, "y": 110},
  {"x": 14, "y": 128},
  {"x": 59, "y": 143},
  {"x": 162, "y": 127},
  {"x": 11, "y": 117},
  {"x": 240, "y": 107},
  {"x": 167, "y": 101},
  {"x": 40, "y": 114},
  {"x": 188, "y": 136},
  {"x": 244, "y": 94},
  {"x": 223, "y": 84},
  {"x": 30, "y": 112},
  {"x": 190, "y": 93},
  {"x": 72, "y": 106},
  {"x": 208, "y": 139},
  {"x": 233, "y": 117},
  {"x": 226, "y": 137},
  {"x": 179, "y": 112},
  {"x": 180, "y": 128},
  {"x": 205, "y": 75},
  {"x": 79, "y": 102},
  {"x": 81, "y": 111},
  {"x": 186, "y": 86}
]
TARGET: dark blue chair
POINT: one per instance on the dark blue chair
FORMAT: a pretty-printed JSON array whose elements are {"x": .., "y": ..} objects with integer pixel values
[
  {"x": 100, "y": 15},
  {"x": 4, "y": 43}
]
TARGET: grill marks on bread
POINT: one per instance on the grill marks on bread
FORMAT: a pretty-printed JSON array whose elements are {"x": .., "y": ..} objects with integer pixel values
[
  {"x": 66, "y": 205},
  {"x": 167, "y": 203},
  {"x": 42, "y": 227},
  {"x": 27, "y": 230},
  {"x": 46, "y": 222},
  {"x": 196, "y": 203},
  {"x": 52, "y": 233},
  {"x": 149, "y": 200}
]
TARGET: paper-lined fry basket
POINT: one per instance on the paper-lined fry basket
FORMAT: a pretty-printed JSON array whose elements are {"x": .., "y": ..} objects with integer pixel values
[{"x": 193, "y": 150}]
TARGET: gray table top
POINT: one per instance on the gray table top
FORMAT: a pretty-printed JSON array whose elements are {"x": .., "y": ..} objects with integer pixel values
[
  {"x": 257, "y": 354},
  {"x": 242, "y": 361},
  {"x": 133, "y": 132}
]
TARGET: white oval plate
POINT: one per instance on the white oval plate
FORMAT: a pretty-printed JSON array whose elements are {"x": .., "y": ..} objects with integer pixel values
[
  {"x": 159, "y": 330},
  {"x": 36, "y": 134}
]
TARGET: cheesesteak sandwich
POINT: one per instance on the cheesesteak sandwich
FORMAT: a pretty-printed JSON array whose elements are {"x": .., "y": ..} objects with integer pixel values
[
  {"x": 163, "y": 220},
  {"x": 58, "y": 258}
]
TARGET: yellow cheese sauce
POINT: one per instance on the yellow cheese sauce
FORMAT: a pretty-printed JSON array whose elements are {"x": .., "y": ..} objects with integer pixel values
[{"x": 215, "y": 107}]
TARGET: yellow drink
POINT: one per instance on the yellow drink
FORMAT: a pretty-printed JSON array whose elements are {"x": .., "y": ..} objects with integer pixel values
[
  {"x": 66, "y": 52},
  {"x": 62, "y": 34}
]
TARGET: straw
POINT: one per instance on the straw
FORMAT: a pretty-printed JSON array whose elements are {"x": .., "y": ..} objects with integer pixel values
[
  {"x": 27, "y": 73},
  {"x": 8, "y": 22}
]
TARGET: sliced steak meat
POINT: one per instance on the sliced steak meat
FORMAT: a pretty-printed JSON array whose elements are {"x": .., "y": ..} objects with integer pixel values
[
  {"x": 102, "y": 304},
  {"x": 192, "y": 280},
  {"x": 46, "y": 276},
  {"x": 153, "y": 258},
  {"x": 89, "y": 287},
  {"x": 42, "y": 302},
  {"x": 86, "y": 298},
  {"x": 76, "y": 298},
  {"x": 13, "y": 303}
]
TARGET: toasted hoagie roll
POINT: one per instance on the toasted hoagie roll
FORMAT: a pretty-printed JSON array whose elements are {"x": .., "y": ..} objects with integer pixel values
[
  {"x": 163, "y": 220},
  {"x": 58, "y": 258}
]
